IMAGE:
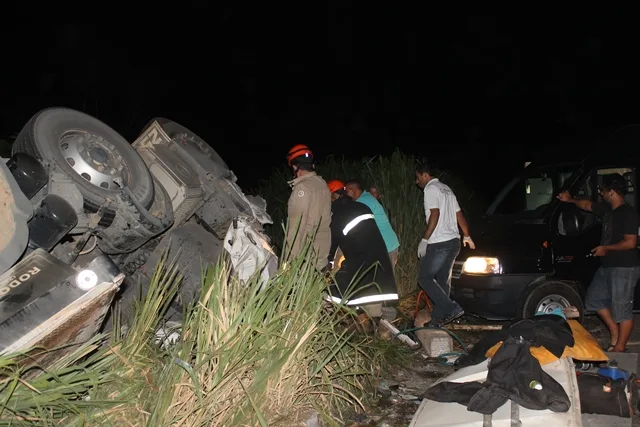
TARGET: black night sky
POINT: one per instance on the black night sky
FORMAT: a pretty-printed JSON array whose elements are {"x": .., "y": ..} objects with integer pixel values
[{"x": 479, "y": 94}]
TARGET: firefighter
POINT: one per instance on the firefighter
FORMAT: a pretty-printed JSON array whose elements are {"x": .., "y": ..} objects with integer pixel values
[
  {"x": 309, "y": 208},
  {"x": 365, "y": 278}
]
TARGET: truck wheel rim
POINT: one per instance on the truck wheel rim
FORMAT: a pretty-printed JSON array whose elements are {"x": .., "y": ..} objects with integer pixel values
[
  {"x": 552, "y": 302},
  {"x": 94, "y": 159}
]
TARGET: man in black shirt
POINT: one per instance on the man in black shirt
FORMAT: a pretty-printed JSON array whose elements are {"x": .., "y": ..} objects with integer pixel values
[
  {"x": 612, "y": 288},
  {"x": 365, "y": 277}
]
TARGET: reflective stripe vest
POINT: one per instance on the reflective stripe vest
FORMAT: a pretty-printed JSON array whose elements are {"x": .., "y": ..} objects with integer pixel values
[{"x": 366, "y": 275}]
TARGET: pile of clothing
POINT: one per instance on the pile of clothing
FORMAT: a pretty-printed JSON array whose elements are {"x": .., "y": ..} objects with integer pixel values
[{"x": 513, "y": 373}]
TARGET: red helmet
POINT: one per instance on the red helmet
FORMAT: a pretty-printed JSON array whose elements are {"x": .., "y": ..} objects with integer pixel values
[
  {"x": 335, "y": 185},
  {"x": 299, "y": 151}
]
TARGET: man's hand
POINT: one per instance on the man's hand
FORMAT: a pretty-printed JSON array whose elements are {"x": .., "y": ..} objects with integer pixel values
[
  {"x": 599, "y": 251},
  {"x": 565, "y": 196},
  {"x": 467, "y": 241},
  {"x": 422, "y": 248}
]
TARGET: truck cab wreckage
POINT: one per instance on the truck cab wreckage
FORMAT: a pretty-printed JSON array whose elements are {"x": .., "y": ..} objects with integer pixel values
[{"x": 85, "y": 216}]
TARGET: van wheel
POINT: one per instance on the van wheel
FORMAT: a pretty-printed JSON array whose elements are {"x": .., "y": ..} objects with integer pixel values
[{"x": 548, "y": 296}]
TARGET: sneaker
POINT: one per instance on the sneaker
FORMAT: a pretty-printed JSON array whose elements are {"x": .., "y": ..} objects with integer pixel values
[{"x": 451, "y": 317}]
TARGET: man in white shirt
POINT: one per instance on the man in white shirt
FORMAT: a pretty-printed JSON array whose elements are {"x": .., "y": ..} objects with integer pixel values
[{"x": 440, "y": 244}]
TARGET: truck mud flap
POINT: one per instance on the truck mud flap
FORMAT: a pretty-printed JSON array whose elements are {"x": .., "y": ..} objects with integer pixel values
[{"x": 50, "y": 305}]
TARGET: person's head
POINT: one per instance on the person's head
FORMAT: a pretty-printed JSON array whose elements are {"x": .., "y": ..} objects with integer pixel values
[
  {"x": 375, "y": 192},
  {"x": 300, "y": 159},
  {"x": 354, "y": 188},
  {"x": 337, "y": 189},
  {"x": 613, "y": 188},
  {"x": 425, "y": 172}
]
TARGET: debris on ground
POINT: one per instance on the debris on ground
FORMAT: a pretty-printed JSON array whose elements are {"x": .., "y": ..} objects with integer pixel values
[
  {"x": 399, "y": 393},
  {"x": 400, "y": 390}
]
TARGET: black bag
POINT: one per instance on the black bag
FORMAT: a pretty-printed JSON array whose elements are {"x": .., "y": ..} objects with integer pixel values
[{"x": 605, "y": 396}]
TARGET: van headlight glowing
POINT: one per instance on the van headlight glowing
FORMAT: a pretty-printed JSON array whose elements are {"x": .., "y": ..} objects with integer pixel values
[{"x": 481, "y": 265}]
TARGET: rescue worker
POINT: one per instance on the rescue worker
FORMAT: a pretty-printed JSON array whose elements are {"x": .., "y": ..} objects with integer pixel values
[
  {"x": 365, "y": 277},
  {"x": 375, "y": 193},
  {"x": 357, "y": 193},
  {"x": 308, "y": 209}
]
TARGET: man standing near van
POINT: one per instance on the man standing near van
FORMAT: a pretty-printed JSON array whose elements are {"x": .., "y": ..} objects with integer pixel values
[
  {"x": 611, "y": 291},
  {"x": 440, "y": 244},
  {"x": 355, "y": 191}
]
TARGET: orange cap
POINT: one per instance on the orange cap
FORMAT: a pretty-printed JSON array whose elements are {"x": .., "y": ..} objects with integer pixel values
[
  {"x": 297, "y": 151},
  {"x": 335, "y": 185}
]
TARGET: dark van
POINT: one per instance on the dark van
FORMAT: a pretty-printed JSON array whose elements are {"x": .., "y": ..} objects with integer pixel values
[{"x": 533, "y": 251}]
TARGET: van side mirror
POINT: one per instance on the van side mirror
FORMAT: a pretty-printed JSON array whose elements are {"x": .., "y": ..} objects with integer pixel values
[{"x": 569, "y": 221}]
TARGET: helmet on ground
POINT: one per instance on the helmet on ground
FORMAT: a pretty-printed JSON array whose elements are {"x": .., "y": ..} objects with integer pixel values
[
  {"x": 336, "y": 185},
  {"x": 299, "y": 152}
]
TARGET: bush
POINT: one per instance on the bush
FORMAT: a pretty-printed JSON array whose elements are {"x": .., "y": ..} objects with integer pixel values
[
  {"x": 247, "y": 355},
  {"x": 394, "y": 176}
]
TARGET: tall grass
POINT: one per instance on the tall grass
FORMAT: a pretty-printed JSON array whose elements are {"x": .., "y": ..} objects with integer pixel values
[
  {"x": 248, "y": 355},
  {"x": 394, "y": 176}
]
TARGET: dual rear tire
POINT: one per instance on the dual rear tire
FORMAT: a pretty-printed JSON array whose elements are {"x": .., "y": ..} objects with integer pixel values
[{"x": 93, "y": 155}]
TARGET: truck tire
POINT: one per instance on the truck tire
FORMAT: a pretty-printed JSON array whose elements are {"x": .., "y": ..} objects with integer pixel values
[
  {"x": 549, "y": 295},
  {"x": 191, "y": 142},
  {"x": 90, "y": 152}
]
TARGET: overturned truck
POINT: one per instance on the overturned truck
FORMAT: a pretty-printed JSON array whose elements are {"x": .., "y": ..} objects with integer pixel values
[{"x": 86, "y": 216}]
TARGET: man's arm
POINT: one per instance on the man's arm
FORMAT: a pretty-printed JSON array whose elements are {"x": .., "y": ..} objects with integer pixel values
[
  {"x": 462, "y": 223},
  {"x": 432, "y": 223},
  {"x": 629, "y": 241},
  {"x": 584, "y": 204},
  {"x": 630, "y": 223},
  {"x": 432, "y": 202},
  {"x": 296, "y": 231},
  {"x": 335, "y": 240}
]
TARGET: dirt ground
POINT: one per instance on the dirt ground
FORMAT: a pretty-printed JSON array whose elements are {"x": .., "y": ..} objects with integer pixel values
[{"x": 399, "y": 392}]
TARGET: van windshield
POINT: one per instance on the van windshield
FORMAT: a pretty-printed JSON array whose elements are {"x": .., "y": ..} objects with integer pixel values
[{"x": 530, "y": 194}]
